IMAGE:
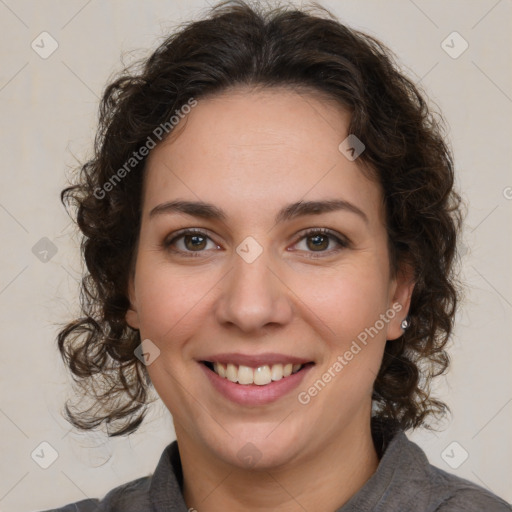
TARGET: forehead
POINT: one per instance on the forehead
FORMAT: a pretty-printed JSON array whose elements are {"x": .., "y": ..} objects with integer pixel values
[{"x": 254, "y": 149}]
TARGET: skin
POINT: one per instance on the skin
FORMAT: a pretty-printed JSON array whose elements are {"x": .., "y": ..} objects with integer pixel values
[{"x": 251, "y": 152}]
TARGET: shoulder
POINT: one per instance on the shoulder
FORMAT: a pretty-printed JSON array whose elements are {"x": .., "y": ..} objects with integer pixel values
[
  {"x": 459, "y": 494},
  {"x": 129, "y": 497},
  {"x": 405, "y": 481},
  {"x": 441, "y": 491},
  {"x": 162, "y": 488}
]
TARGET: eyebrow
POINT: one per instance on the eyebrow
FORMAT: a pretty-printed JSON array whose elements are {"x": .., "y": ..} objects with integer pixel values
[{"x": 287, "y": 213}]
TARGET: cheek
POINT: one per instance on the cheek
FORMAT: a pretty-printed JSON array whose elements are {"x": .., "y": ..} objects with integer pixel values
[
  {"x": 351, "y": 304},
  {"x": 349, "y": 300},
  {"x": 169, "y": 301}
]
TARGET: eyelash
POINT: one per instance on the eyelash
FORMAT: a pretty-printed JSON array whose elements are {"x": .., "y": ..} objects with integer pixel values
[{"x": 342, "y": 242}]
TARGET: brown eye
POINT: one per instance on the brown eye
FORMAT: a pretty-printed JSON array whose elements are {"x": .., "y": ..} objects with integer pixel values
[
  {"x": 318, "y": 240},
  {"x": 193, "y": 242},
  {"x": 188, "y": 242}
]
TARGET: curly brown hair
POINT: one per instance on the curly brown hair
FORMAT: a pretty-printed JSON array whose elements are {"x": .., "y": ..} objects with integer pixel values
[{"x": 241, "y": 44}]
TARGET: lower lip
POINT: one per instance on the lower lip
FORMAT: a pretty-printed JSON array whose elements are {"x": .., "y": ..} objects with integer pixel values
[{"x": 252, "y": 394}]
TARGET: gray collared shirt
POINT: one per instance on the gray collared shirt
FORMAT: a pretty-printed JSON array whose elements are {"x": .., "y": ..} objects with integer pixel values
[{"x": 403, "y": 482}]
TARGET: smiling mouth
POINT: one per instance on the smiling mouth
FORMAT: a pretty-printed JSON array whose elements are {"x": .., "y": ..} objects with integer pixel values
[{"x": 261, "y": 376}]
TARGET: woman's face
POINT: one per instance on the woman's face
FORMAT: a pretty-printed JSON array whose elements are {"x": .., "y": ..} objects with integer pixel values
[{"x": 253, "y": 290}]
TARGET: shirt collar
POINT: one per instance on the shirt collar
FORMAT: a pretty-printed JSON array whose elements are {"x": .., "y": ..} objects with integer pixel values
[{"x": 165, "y": 490}]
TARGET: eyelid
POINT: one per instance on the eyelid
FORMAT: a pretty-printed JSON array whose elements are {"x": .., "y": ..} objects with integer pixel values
[
  {"x": 341, "y": 240},
  {"x": 186, "y": 231},
  {"x": 323, "y": 231}
]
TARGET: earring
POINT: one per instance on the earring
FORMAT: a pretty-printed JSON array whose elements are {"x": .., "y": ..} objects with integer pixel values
[{"x": 405, "y": 323}]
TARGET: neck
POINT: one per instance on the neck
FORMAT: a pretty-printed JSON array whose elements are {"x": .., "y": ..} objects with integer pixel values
[{"x": 342, "y": 465}]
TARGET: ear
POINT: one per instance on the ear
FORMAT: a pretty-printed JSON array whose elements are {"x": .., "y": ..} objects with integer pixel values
[
  {"x": 132, "y": 315},
  {"x": 401, "y": 300}
]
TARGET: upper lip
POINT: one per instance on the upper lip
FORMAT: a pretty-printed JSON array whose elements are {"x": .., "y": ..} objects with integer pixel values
[{"x": 255, "y": 360}]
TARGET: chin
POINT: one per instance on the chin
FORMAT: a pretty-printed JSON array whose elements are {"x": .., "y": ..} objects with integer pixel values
[{"x": 257, "y": 448}]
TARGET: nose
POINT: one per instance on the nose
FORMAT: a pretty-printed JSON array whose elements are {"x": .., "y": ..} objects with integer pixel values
[{"x": 254, "y": 296}]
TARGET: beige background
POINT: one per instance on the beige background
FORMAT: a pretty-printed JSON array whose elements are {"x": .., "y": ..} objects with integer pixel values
[{"x": 49, "y": 108}]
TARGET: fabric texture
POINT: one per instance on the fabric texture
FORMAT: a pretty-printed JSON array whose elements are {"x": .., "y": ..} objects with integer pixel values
[{"x": 404, "y": 482}]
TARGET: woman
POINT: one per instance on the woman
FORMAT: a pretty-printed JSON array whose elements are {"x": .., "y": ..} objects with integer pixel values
[{"x": 269, "y": 229}]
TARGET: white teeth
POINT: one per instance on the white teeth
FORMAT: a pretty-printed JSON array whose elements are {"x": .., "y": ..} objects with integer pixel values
[
  {"x": 220, "y": 369},
  {"x": 261, "y": 376},
  {"x": 245, "y": 374},
  {"x": 277, "y": 372},
  {"x": 232, "y": 373}
]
